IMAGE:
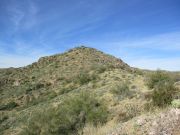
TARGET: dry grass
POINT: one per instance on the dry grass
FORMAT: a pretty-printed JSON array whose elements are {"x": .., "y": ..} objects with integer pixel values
[
  {"x": 89, "y": 129},
  {"x": 128, "y": 109}
]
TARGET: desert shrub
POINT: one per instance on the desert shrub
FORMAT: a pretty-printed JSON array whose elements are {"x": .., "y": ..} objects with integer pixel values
[
  {"x": 67, "y": 89},
  {"x": 94, "y": 110},
  {"x": 3, "y": 122},
  {"x": 90, "y": 129},
  {"x": 176, "y": 103},
  {"x": 64, "y": 90},
  {"x": 31, "y": 87},
  {"x": 94, "y": 77},
  {"x": 8, "y": 106},
  {"x": 128, "y": 111},
  {"x": 163, "y": 93},
  {"x": 83, "y": 78},
  {"x": 132, "y": 110},
  {"x": 133, "y": 87},
  {"x": 138, "y": 72},
  {"x": 175, "y": 76},
  {"x": 164, "y": 89},
  {"x": 123, "y": 76},
  {"x": 68, "y": 118},
  {"x": 121, "y": 90},
  {"x": 40, "y": 123},
  {"x": 154, "y": 78},
  {"x": 149, "y": 107},
  {"x": 102, "y": 69},
  {"x": 38, "y": 85},
  {"x": 99, "y": 68},
  {"x": 3, "y": 117},
  {"x": 52, "y": 95},
  {"x": 28, "y": 88}
]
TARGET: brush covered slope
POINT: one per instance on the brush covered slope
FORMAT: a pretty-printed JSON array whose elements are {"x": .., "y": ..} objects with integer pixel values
[{"x": 82, "y": 91}]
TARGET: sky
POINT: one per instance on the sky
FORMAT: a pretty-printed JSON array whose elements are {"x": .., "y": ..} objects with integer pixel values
[{"x": 143, "y": 33}]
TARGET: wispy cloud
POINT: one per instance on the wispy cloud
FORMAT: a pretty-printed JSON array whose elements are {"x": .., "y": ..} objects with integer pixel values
[
  {"x": 32, "y": 18},
  {"x": 22, "y": 57},
  {"x": 22, "y": 15},
  {"x": 139, "y": 51},
  {"x": 16, "y": 15},
  {"x": 22, "y": 54},
  {"x": 165, "y": 41},
  {"x": 73, "y": 22},
  {"x": 171, "y": 64}
]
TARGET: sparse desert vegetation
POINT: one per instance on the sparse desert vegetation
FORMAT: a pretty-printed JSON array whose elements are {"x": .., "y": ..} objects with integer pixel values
[
  {"x": 163, "y": 88},
  {"x": 69, "y": 117},
  {"x": 86, "y": 92}
]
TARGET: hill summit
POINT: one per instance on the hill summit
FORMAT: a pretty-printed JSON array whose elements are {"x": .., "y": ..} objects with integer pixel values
[{"x": 81, "y": 57}]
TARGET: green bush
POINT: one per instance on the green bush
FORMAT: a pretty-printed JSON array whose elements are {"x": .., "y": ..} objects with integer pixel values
[
  {"x": 66, "y": 90},
  {"x": 4, "y": 124},
  {"x": 156, "y": 77},
  {"x": 176, "y": 103},
  {"x": 85, "y": 108},
  {"x": 163, "y": 93},
  {"x": 121, "y": 90},
  {"x": 41, "y": 123},
  {"x": 31, "y": 87},
  {"x": 68, "y": 118},
  {"x": 8, "y": 106},
  {"x": 52, "y": 95},
  {"x": 3, "y": 117},
  {"x": 84, "y": 78},
  {"x": 138, "y": 72},
  {"x": 99, "y": 68}
]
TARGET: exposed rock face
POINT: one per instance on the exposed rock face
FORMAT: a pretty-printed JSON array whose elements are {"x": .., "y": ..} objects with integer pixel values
[{"x": 166, "y": 124}]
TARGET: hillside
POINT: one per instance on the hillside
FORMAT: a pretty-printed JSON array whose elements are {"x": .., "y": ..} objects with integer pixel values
[
  {"x": 46, "y": 84},
  {"x": 54, "y": 72}
]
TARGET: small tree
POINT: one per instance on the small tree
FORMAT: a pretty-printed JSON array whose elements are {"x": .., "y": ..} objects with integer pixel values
[
  {"x": 156, "y": 77},
  {"x": 163, "y": 93}
]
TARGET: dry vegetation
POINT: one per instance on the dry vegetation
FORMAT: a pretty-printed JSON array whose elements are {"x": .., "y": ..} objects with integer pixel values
[{"x": 84, "y": 91}]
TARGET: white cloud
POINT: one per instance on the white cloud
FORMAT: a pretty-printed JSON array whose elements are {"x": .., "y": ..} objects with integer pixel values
[
  {"x": 22, "y": 15},
  {"x": 22, "y": 54},
  {"x": 165, "y": 41},
  {"x": 16, "y": 15},
  {"x": 19, "y": 60},
  {"x": 138, "y": 52},
  {"x": 171, "y": 64}
]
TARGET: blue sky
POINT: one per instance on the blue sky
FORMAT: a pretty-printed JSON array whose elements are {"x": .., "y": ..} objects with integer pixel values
[{"x": 143, "y": 33}]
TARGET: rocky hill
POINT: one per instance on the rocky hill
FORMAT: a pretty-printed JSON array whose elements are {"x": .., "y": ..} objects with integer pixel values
[
  {"x": 45, "y": 85},
  {"x": 53, "y": 71}
]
